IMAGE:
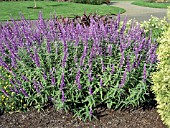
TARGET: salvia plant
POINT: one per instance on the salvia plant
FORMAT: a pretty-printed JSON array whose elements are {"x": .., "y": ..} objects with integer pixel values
[{"x": 76, "y": 67}]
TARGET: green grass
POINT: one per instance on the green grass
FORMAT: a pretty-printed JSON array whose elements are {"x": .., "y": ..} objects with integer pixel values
[
  {"x": 66, "y": 9},
  {"x": 153, "y": 5}
]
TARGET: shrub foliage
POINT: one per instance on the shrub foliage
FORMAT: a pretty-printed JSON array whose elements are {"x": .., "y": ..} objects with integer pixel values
[
  {"x": 161, "y": 79},
  {"x": 75, "y": 66}
]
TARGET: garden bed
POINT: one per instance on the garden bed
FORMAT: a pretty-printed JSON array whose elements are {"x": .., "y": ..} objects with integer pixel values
[{"x": 139, "y": 118}]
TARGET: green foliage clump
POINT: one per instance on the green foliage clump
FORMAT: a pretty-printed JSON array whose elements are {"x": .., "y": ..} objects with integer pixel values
[
  {"x": 156, "y": 26},
  {"x": 161, "y": 79}
]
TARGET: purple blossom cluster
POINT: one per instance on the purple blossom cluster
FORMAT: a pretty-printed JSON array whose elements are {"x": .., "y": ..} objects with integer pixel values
[{"x": 99, "y": 39}]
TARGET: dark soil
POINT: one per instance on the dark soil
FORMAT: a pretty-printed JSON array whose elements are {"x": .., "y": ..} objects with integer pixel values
[{"x": 50, "y": 118}]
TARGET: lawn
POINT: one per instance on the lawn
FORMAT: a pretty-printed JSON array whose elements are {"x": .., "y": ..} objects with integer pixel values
[
  {"x": 65, "y": 9},
  {"x": 153, "y": 5}
]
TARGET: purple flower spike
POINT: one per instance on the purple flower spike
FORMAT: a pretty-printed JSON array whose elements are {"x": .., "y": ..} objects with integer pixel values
[
  {"x": 103, "y": 66},
  {"x": 123, "y": 80},
  {"x": 45, "y": 76},
  {"x": 90, "y": 77},
  {"x": 128, "y": 63},
  {"x": 90, "y": 91},
  {"x": 122, "y": 59},
  {"x": 78, "y": 75},
  {"x": 62, "y": 82},
  {"x": 36, "y": 87},
  {"x": 91, "y": 112},
  {"x": 110, "y": 50},
  {"x": 63, "y": 97},
  {"x": 37, "y": 59},
  {"x": 48, "y": 46},
  {"x": 144, "y": 73},
  {"x": 5, "y": 93},
  {"x": 101, "y": 82},
  {"x": 16, "y": 90},
  {"x": 78, "y": 79},
  {"x": 40, "y": 84},
  {"x": 24, "y": 78},
  {"x": 24, "y": 92}
]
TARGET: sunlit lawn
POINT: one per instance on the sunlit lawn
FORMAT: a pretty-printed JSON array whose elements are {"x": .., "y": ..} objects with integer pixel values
[
  {"x": 65, "y": 9},
  {"x": 151, "y": 4}
]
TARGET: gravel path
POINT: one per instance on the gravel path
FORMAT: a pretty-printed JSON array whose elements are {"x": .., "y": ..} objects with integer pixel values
[{"x": 138, "y": 12}]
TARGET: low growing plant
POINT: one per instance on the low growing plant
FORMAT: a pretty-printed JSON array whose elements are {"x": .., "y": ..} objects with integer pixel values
[
  {"x": 156, "y": 26},
  {"x": 77, "y": 67},
  {"x": 161, "y": 79}
]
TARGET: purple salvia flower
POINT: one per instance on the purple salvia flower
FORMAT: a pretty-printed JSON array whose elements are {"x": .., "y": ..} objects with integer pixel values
[
  {"x": 53, "y": 82},
  {"x": 24, "y": 92},
  {"x": 83, "y": 55},
  {"x": 12, "y": 90},
  {"x": 144, "y": 73},
  {"x": 40, "y": 84},
  {"x": 63, "y": 97},
  {"x": 90, "y": 91},
  {"x": 82, "y": 60},
  {"x": 123, "y": 80},
  {"x": 75, "y": 60},
  {"x": 123, "y": 26},
  {"x": 78, "y": 79},
  {"x": 103, "y": 66},
  {"x": 16, "y": 90},
  {"x": 36, "y": 87},
  {"x": 136, "y": 56},
  {"x": 24, "y": 78},
  {"x": 122, "y": 59},
  {"x": 134, "y": 64},
  {"x": 44, "y": 76},
  {"x": 85, "y": 67},
  {"x": 79, "y": 85},
  {"x": 18, "y": 82},
  {"x": 110, "y": 49},
  {"x": 128, "y": 63},
  {"x": 78, "y": 75},
  {"x": 139, "y": 60},
  {"x": 5, "y": 93},
  {"x": 37, "y": 59},
  {"x": 90, "y": 77},
  {"x": 101, "y": 82},
  {"x": 64, "y": 60},
  {"x": 62, "y": 82},
  {"x": 153, "y": 58},
  {"x": 13, "y": 64},
  {"x": 91, "y": 112},
  {"x": 48, "y": 46}
]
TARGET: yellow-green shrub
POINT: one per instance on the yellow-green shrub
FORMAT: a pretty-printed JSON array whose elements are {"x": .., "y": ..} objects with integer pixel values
[
  {"x": 156, "y": 26},
  {"x": 5, "y": 101},
  {"x": 161, "y": 79}
]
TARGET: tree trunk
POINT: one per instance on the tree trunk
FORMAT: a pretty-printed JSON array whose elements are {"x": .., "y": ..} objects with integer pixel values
[{"x": 35, "y": 4}]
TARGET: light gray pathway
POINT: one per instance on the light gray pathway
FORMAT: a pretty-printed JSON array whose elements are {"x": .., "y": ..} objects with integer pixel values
[{"x": 138, "y": 12}]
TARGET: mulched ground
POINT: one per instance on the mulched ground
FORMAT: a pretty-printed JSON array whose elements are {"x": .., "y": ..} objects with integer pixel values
[{"x": 50, "y": 118}]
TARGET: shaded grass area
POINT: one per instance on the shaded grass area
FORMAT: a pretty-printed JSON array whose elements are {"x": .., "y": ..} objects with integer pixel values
[
  {"x": 125, "y": 0},
  {"x": 151, "y": 4},
  {"x": 65, "y": 9}
]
